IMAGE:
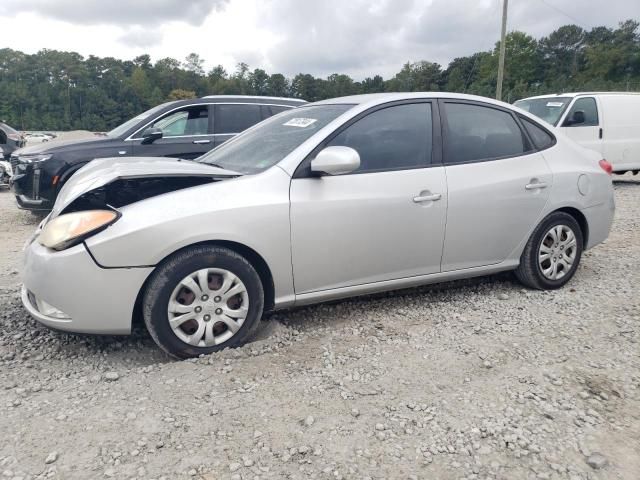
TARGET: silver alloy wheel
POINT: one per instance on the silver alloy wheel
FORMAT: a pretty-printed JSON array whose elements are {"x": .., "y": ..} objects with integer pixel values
[
  {"x": 557, "y": 252},
  {"x": 208, "y": 307}
]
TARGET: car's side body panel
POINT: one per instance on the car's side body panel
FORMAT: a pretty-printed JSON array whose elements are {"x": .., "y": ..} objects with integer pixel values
[
  {"x": 483, "y": 227},
  {"x": 252, "y": 211},
  {"x": 354, "y": 229}
]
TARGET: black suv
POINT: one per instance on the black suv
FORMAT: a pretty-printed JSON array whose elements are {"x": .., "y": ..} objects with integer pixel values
[
  {"x": 182, "y": 129},
  {"x": 10, "y": 140}
]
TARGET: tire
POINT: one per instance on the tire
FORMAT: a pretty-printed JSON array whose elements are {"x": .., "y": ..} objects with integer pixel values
[
  {"x": 226, "y": 272},
  {"x": 531, "y": 271}
]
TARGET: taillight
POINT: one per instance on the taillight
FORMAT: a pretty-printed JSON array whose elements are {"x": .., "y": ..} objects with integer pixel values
[{"x": 606, "y": 166}]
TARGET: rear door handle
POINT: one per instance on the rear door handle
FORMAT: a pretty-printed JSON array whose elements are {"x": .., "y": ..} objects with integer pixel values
[
  {"x": 427, "y": 198},
  {"x": 201, "y": 142},
  {"x": 536, "y": 186}
]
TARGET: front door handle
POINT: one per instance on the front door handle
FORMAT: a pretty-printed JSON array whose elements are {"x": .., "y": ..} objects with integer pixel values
[
  {"x": 427, "y": 198},
  {"x": 201, "y": 142},
  {"x": 535, "y": 186}
]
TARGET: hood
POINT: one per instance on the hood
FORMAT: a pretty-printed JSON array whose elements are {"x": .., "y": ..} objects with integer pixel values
[
  {"x": 57, "y": 145},
  {"x": 105, "y": 171}
]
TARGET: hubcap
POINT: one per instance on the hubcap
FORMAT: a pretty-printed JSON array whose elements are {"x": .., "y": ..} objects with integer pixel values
[
  {"x": 557, "y": 252},
  {"x": 208, "y": 307}
]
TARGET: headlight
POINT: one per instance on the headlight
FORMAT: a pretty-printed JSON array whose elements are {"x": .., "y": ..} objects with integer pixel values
[
  {"x": 70, "y": 229},
  {"x": 41, "y": 157}
]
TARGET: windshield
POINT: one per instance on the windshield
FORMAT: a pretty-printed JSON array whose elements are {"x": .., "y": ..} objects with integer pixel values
[
  {"x": 270, "y": 141},
  {"x": 549, "y": 109},
  {"x": 8, "y": 129},
  {"x": 121, "y": 129}
]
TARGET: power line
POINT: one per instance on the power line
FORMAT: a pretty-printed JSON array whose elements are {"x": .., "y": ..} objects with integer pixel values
[{"x": 565, "y": 14}]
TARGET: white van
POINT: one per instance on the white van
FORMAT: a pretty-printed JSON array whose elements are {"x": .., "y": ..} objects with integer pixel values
[{"x": 608, "y": 122}]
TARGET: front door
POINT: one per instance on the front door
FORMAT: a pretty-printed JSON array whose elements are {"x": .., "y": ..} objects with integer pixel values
[
  {"x": 382, "y": 222},
  {"x": 186, "y": 133},
  {"x": 587, "y": 133},
  {"x": 498, "y": 184}
]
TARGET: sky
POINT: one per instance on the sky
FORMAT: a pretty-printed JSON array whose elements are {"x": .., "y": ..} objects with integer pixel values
[{"x": 357, "y": 37}]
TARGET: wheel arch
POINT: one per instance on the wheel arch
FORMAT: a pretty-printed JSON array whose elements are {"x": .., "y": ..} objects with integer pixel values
[
  {"x": 581, "y": 219},
  {"x": 253, "y": 257}
]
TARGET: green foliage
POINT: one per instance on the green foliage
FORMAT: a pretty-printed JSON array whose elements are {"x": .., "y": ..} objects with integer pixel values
[
  {"x": 55, "y": 90},
  {"x": 179, "y": 94}
]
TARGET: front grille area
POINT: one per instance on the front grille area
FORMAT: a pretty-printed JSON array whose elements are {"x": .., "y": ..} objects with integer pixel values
[{"x": 26, "y": 181}]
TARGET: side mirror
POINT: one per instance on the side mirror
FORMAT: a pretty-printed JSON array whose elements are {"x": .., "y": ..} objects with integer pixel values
[
  {"x": 150, "y": 135},
  {"x": 575, "y": 119},
  {"x": 336, "y": 161}
]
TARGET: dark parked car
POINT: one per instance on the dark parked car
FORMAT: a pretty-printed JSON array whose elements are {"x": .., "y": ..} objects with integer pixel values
[
  {"x": 10, "y": 140},
  {"x": 181, "y": 129}
]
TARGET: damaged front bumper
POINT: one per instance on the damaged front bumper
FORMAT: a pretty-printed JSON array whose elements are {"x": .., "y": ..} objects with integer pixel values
[{"x": 68, "y": 291}]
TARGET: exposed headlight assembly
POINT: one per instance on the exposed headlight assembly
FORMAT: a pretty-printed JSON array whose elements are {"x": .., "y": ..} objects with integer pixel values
[
  {"x": 41, "y": 157},
  {"x": 72, "y": 228}
]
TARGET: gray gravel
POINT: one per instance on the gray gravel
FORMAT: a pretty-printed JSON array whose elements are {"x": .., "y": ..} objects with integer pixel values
[{"x": 470, "y": 380}]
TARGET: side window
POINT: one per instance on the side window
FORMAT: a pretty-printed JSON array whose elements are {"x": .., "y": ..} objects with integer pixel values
[
  {"x": 589, "y": 111},
  {"x": 393, "y": 138},
  {"x": 540, "y": 137},
  {"x": 271, "y": 110},
  {"x": 480, "y": 133},
  {"x": 232, "y": 118},
  {"x": 187, "y": 121}
]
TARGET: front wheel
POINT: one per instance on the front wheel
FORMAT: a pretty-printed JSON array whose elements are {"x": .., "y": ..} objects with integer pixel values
[
  {"x": 552, "y": 254},
  {"x": 201, "y": 300}
]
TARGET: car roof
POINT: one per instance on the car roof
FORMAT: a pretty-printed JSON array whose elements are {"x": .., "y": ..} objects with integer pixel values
[
  {"x": 577, "y": 94},
  {"x": 252, "y": 99},
  {"x": 371, "y": 99},
  {"x": 10, "y": 129}
]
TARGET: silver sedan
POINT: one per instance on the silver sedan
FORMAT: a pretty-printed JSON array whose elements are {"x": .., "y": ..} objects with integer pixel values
[{"x": 338, "y": 198}]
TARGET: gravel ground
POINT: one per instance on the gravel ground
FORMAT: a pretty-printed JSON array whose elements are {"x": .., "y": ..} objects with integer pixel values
[{"x": 473, "y": 380}]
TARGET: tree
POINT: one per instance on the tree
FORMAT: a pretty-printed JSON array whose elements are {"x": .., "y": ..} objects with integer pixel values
[
  {"x": 278, "y": 85},
  {"x": 563, "y": 53},
  {"x": 193, "y": 63},
  {"x": 372, "y": 85},
  {"x": 258, "y": 82},
  {"x": 179, "y": 94},
  {"x": 416, "y": 77},
  {"x": 61, "y": 90}
]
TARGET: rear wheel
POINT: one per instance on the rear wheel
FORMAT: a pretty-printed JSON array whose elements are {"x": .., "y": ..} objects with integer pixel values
[
  {"x": 552, "y": 254},
  {"x": 201, "y": 300}
]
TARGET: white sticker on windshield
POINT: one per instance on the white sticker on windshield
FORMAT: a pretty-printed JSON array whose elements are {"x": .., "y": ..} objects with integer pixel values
[
  {"x": 300, "y": 122},
  {"x": 555, "y": 104}
]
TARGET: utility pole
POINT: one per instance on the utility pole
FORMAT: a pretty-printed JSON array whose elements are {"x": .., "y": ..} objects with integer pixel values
[{"x": 502, "y": 50}]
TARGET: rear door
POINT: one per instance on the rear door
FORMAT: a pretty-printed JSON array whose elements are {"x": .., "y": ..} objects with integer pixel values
[
  {"x": 186, "y": 133},
  {"x": 589, "y": 132},
  {"x": 233, "y": 118},
  {"x": 498, "y": 184}
]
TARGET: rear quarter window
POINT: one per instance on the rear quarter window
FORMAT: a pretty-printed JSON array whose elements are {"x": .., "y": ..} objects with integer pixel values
[{"x": 540, "y": 137}]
